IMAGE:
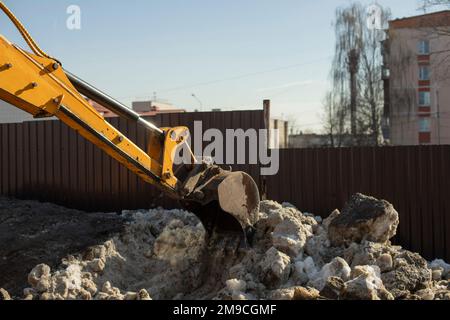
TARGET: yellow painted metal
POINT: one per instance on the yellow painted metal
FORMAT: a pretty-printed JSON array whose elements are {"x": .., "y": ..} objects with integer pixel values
[
  {"x": 173, "y": 138},
  {"x": 39, "y": 86}
]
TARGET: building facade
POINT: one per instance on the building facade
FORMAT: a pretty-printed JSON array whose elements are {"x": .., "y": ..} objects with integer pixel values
[
  {"x": 417, "y": 80},
  {"x": 278, "y": 138},
  {"x": 150, "y": 108}
]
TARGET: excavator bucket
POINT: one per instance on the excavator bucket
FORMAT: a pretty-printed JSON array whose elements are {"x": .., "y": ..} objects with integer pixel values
[{"x": 225, "y": 202}]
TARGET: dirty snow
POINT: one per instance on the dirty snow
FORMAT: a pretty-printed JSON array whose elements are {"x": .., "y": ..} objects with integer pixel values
[{"x": 161, "y": 254}]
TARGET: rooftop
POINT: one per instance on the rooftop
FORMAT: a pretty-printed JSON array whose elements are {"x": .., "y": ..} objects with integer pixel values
[{"x": 429, "y": 20}]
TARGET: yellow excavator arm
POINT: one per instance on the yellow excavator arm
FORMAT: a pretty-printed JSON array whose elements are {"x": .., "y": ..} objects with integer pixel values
[
  {"x": 39, "y": 86},
  {"x": 37, "y": 83}
]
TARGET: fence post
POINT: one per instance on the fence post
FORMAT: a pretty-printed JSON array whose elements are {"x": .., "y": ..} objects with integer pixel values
[{"x": 266, "y": 108}]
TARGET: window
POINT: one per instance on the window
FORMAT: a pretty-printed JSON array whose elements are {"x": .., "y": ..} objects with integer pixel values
[
  {"x": 424, "y": 125},
  {"x": 424, "y": 73},
  {"x": 424, "y": 99},
  {"x": 424, "y": 47}
]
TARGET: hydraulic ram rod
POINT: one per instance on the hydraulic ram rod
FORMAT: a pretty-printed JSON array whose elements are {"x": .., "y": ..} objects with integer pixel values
[{"x": 110, "y": 103}]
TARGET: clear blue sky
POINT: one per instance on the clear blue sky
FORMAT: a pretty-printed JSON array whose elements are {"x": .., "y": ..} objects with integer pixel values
[{"x": 231, "y": 54}]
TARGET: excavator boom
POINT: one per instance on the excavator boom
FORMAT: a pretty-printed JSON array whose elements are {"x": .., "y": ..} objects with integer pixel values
[{"x": 225, "y": 202}]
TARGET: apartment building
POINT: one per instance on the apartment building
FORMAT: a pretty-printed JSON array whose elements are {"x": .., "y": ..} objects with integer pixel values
[{"x": 417, "y": 80}]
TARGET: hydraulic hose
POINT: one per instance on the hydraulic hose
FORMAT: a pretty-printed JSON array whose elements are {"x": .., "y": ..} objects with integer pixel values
[{"x": 25, "y": 34}]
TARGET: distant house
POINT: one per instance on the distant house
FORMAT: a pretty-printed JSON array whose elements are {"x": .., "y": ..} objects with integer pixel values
[
  {"x": 309, "y": 140},
  {"x": 151, "y": 108},
  {"x": 281, "y": 139},
  {"x": 417, "y": 80},
  {"x": 101, "y": 109},
  {"x": 143, "y": 108}
]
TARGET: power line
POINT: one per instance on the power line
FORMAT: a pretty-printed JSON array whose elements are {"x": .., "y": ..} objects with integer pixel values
[
  {"x": 245, "y": 75},
  {"x": 237, "y": 77}
]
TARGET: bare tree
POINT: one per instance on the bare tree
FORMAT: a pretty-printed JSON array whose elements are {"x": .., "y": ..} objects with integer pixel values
[
  {"x": 370, "y": 79},
  {"x": 427, "y": 4},
  {"x": 293, "y": 124},
  {"x": 334, "y": 119},
  {"x": 403, "y": 88},
  {"x": 357, "y": 75},
  {"x": 349, "y": 39}
]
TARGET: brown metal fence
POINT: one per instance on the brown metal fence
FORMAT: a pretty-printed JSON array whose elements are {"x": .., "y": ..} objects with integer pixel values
[
  {"x": 416, "y": 180},
  {"x": 47, "y": 161}
]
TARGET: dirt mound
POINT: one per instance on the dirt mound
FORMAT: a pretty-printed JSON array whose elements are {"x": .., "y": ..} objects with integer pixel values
[
  {"x": 162, "y": 254},
  {"x": 32, "y": 232}
]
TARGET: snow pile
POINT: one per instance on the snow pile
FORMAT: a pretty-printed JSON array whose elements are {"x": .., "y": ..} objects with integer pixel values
[
  {"x": 162, "y": 255},
  {"x": 158, "y": 252}
]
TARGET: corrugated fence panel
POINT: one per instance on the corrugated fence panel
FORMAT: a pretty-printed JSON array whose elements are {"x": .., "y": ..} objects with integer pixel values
[
  {"x": 47, "y": 161},
  {"x": 414, "y": 179}
]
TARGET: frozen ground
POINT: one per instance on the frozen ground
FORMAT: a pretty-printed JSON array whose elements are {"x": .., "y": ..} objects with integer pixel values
[{"x": 33, "y": 232}]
